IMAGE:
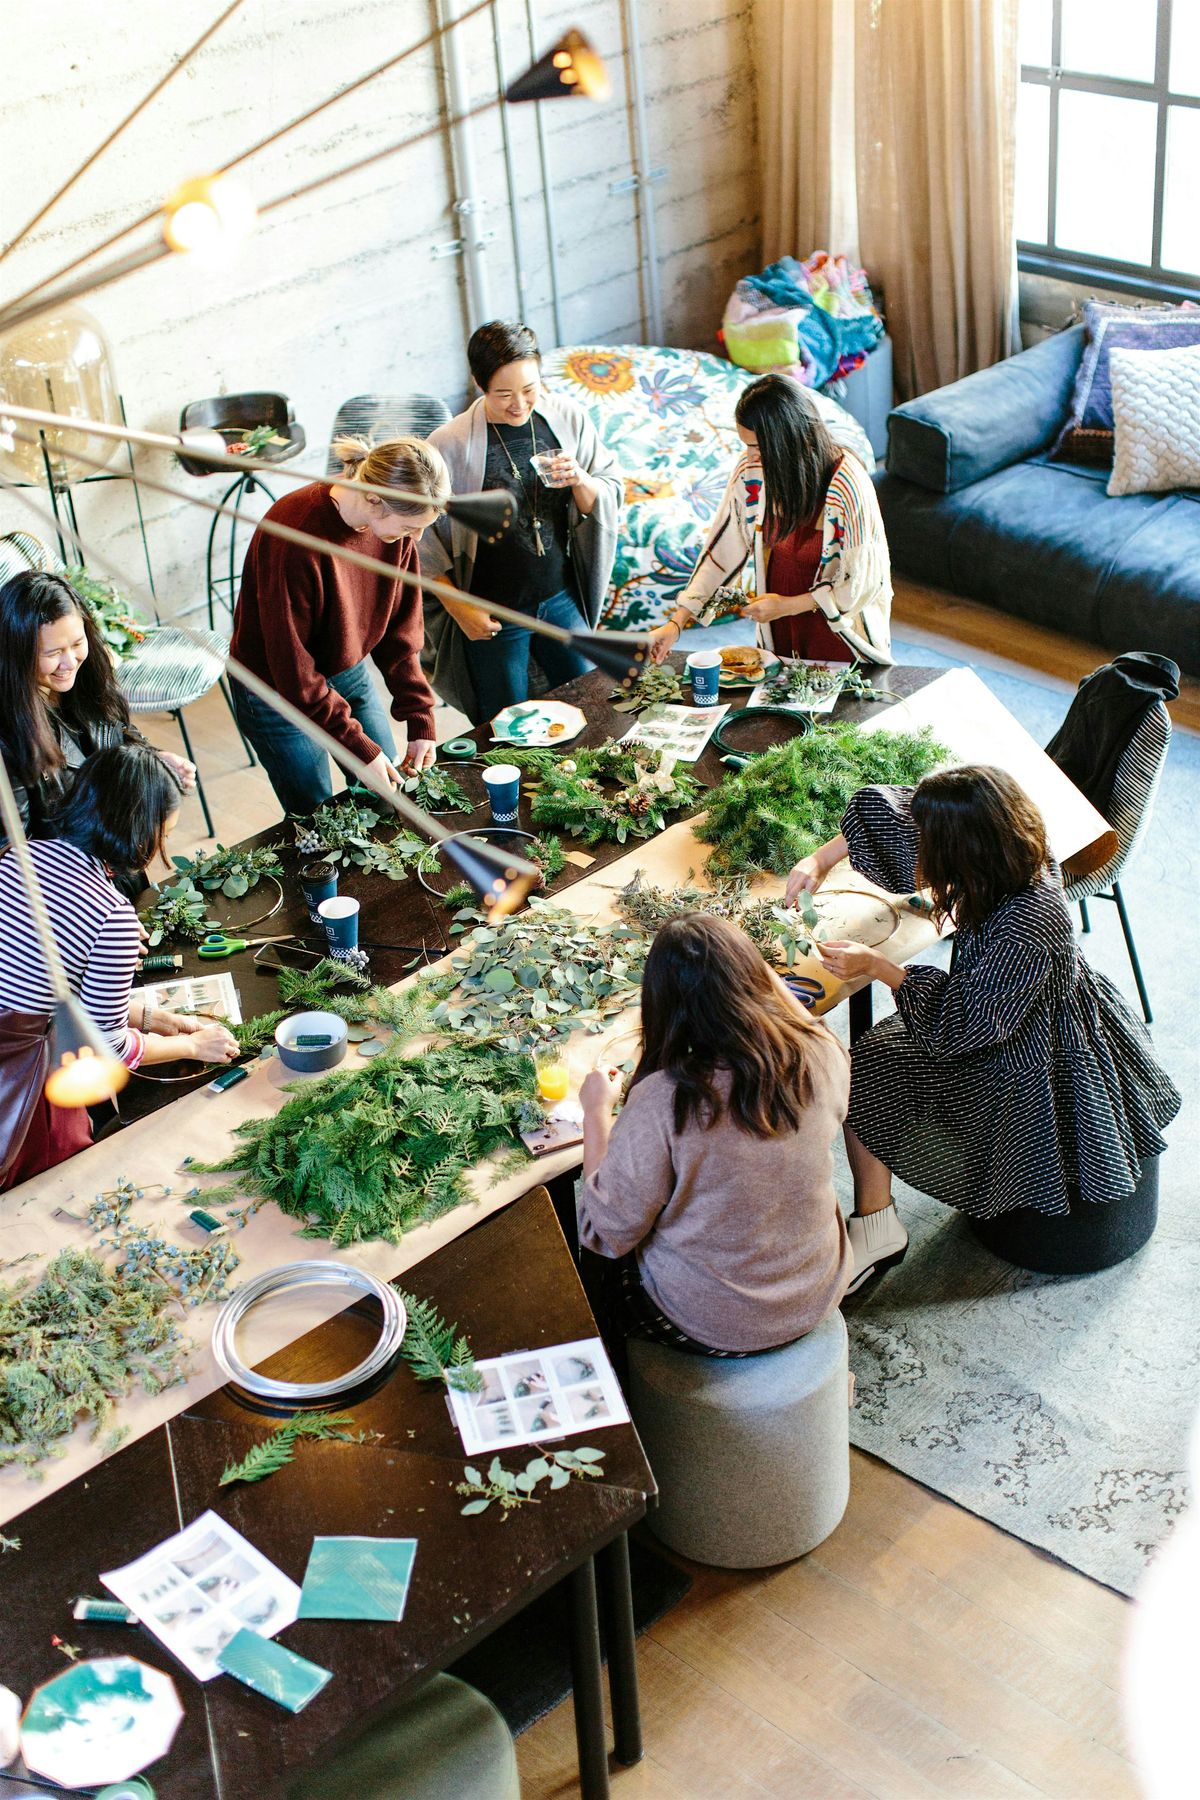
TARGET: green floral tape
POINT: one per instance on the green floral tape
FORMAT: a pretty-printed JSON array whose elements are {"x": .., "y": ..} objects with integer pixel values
[{"x": 458, "y": 749}]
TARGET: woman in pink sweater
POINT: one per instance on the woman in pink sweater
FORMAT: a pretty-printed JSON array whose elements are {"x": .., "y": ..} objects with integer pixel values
[{"x": 715, "y": 1184}]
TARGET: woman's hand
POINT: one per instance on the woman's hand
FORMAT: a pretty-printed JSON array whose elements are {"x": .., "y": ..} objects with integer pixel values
[
  {"x": 778, "y": 606},
  {"x": 183, "y": 770},
  {"x": 384, "y": 769},
  {"x": 474, "y": 622},
  {"x": 808, "y": 874},
  {"x": 421, "y": 753},
  {"x": 599, "y": 1090},
  {"x": 564, "y": 471},
  {"x": 170, "y": 1024},
  {"x": 663, "y": 640},
  {"x": 210, "y": 1043},
  {"x": 854, "y": 962}
]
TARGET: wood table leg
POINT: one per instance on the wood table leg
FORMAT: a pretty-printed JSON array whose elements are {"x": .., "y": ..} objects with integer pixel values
[
  {"x": 591, "y": 1739},
  {"x": 620, "y": 1637},
  {"x": 860, "y": 1012}
]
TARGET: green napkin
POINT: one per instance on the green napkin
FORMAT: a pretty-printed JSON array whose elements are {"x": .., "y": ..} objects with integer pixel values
[
  {"x": 269, "y": 1669},
  {"x": 357, "y": 1578}
]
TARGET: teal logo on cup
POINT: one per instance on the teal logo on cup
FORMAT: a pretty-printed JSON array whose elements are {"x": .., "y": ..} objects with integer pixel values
[
  {"x": 340, "y": 919},
  {"x": 704, "y": 668},
  {"x": 318, "y": 881},
  {"x": 503, "y": 783}
]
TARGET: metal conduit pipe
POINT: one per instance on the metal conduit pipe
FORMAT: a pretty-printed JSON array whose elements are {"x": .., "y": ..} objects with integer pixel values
[
  {"x": 510, "y": 169},
  {"x": 547, "y": 185},
  {"x": 645, "y": 193},
  {"x": 467, "y": 204}
]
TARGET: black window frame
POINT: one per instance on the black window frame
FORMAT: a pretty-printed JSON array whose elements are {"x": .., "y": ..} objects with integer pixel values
[{"x": 1147, "y": 280}]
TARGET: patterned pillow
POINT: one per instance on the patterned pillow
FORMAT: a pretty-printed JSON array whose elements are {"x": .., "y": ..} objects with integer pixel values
[
  {"x": 1156, "y": 406},
  {"x": 1087, "y": 436}
]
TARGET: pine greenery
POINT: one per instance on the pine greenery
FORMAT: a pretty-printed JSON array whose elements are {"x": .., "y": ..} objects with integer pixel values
[
  {"x": 432, "y": 1350},
  {"x": 276, "y": 1451},
  {"x": 608, "y": 794},
  {"x": 785, "y": 803}
]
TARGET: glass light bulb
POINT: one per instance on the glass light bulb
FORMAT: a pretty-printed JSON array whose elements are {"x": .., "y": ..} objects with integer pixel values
[
  {"x": 85, "y": 1079},
  {"x": 60, "y": 363},
  {"x": 210, "y": 213}
]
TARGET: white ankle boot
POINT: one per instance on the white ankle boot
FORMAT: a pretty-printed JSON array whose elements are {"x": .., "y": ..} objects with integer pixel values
[{"x": 877, "y": 1240}]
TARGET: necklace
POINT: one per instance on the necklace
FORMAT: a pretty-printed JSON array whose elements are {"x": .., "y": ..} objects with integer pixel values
[{"x": 529, "y": 495}]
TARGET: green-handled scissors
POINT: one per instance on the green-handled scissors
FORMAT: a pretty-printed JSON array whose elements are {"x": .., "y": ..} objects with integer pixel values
[{"x": 216, "y": 944}]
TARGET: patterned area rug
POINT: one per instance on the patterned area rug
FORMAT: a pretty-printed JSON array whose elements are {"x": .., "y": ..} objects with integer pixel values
[{"x": 1060, "y": 1407}]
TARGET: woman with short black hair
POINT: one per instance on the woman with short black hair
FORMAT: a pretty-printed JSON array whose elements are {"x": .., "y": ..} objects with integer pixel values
[
  {"x": 59, "y": 699},
  {"x": 806, "y": 510},
  {"x": 1020, "y": 1079},
  {"x": 715, "y": 1185},
  {"x": 112, "y": 826},
  {"x": 556, "y": 557}
]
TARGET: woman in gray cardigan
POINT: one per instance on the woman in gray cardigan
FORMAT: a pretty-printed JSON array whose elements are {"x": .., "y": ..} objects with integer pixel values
[{"x": 557, "y": 555}]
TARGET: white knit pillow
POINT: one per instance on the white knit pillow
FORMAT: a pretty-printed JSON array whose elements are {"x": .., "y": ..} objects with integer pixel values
[{"x": 1156, "y": 411}]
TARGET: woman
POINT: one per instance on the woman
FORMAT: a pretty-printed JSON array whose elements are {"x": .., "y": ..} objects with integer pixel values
[
  {"x": 306, "y": 622},
  {"x": 716, "y": 1182},
  {"x": 115, "y": 822},
  {"x": 59, "y": 700},
  {"x": 1022, "y": 1078},
  {"x": 555, "y": 559},
  {"x": 807, "y": 511}
]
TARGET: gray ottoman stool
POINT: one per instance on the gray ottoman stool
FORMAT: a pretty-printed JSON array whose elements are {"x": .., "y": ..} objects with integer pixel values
[
  {"x": 446, "y": 1742},
  {"x": 751, "y": 1454}
]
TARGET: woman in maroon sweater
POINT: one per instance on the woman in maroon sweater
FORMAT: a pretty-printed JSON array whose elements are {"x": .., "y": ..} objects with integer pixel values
[{"x": 306, "y": 622}]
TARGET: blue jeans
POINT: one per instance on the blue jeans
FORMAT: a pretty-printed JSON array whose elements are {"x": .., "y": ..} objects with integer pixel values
[
  {"x": 500, "y": 665},
  {"x": 296, "y": 769}
]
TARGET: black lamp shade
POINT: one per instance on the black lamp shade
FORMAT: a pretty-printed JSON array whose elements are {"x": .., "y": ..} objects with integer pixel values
[
  {"x": 570, "y": 66},
  {"x": 500, "y": 879},
  {"x": 490, "y": 514},
  {"x": 623, "y": 657}
]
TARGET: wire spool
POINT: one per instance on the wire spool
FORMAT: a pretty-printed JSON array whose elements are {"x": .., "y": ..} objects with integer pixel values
[
  {"x": 757, "y": 729},
  {"x": 287, "y": 1279}
]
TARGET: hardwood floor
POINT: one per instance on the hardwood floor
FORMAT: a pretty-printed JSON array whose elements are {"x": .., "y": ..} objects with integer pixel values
[{"x": 919, "y": 1651}]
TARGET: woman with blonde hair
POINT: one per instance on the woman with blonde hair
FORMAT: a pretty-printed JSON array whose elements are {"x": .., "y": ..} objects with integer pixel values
[{"x": 306, "y": 622}]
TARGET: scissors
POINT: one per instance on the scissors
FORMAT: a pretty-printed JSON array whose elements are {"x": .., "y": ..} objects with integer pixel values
[{"x": 216, "y": 944}]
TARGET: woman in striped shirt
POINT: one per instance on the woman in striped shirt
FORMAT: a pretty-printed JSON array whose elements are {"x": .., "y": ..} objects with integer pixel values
[{"x": 116, "y": 820}]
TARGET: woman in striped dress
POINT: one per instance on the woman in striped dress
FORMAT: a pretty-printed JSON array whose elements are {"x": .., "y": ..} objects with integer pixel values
[
  {"x": 1020, "y": 1080},
  {"x": 120, "y": 812}
]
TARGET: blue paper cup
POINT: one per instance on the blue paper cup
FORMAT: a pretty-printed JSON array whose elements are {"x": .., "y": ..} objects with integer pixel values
[
  {"x": 704, "y": 667},
  {"x": 318, "y": 881},
  {"x": 340, "y": 919},
  {"x": 503, "y": 783}
]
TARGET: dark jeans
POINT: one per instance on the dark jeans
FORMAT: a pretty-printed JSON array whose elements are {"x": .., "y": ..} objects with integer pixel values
[
  {"x": 500, "y": 665},
  {"x": 296, "y": 769}
]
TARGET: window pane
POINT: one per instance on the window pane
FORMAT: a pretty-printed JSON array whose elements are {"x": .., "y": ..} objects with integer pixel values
[
  {"x": 1033, "y": 162},
  {"x": 1110, "y": 37},
  {"x": 1035, "y": 35},
  {"x": 1181, "y": 216},
  {"x": 1185, "y": 47},
  {"x": 1106, "y": 152}
]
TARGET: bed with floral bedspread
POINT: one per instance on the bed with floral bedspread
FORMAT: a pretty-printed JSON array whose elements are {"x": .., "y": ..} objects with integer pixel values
[{"x": 667, "y": 416}]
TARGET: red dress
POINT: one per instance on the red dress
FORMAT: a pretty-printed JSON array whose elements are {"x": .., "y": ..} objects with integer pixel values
[{"x": 792, "y": 566}]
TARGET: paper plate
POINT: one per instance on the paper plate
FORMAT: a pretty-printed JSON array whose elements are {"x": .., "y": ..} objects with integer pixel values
[
  {"x": 729, "y": 680},
  {"x": 100, "y": 1721},
  {"x": 537, "y": 722}
]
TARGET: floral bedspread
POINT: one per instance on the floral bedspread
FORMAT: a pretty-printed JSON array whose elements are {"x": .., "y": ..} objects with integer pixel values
[{"x": 667, "y": 416}]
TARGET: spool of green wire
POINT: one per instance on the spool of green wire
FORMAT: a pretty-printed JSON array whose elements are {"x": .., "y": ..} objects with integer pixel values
[{"x": 459, "y": 749}]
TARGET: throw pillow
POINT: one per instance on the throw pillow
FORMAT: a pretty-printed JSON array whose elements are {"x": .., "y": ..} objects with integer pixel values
[
  {"x": 1087, "y": 436},
  {"x": 1156, "y": 407}
]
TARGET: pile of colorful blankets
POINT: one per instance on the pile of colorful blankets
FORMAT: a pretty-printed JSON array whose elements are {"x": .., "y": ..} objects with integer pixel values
[{"x": 814, "y": 320}]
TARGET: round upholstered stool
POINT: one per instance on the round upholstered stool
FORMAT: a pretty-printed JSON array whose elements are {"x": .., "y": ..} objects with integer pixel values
[
  {"x": 1081, "y": 1241},
  {"x": 446, "y": 1742},
  {"x": 751, "y": 1454}
]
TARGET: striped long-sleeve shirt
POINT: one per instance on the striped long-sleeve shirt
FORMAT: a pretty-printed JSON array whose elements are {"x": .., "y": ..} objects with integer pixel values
[{"x": 96, "y": 932}]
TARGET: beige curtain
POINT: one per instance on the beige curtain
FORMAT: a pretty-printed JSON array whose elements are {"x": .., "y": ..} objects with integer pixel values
[{"x": 923, "y": 141}]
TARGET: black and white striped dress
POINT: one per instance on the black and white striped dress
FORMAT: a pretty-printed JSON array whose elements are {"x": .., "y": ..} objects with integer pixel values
[
  {"x": 1020, "y": 1080},
  {"x": 95, "y": 929}
]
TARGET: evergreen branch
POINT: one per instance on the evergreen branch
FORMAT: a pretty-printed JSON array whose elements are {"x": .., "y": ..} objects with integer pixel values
[
  {"x": 276, "y": 1451},
  {"x": 432, "y": 1351}
]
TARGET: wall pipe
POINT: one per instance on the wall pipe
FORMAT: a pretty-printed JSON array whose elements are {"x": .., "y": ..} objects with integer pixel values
[
  {"x": 510, "y": 169},
  {"x": 641, "y": 139},
  {"x": 547, "y": 188},
  {"x": 468, "y": 207}
]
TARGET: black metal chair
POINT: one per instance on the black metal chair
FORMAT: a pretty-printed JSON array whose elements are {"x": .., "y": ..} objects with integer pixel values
[
  {"x": 377, "y": 416},
  {"x": 234, "y": 416}
]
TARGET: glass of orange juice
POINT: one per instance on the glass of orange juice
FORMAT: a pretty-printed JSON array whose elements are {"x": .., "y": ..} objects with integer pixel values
[{"x": 553, "y": 1078}]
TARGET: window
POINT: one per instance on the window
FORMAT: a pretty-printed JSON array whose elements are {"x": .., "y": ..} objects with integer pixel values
[{"x": 1108, "y": 143}]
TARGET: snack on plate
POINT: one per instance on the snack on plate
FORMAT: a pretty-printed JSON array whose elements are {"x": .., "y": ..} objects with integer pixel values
[
  {"x": 556, "y": 730},
  {"x": 743, "y": 661}
]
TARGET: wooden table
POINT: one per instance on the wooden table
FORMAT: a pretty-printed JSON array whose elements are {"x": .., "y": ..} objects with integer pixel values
[{"x": 509, "y": 1283}]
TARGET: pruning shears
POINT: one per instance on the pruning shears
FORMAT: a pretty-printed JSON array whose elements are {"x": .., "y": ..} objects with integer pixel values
[{"x": 217, "y": 945}]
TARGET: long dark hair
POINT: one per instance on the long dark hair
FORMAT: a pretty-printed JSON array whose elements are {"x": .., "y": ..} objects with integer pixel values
[
  {"x": 980, "y": 840},
  {"x": 30, "y": 749},
  {"x": 798, "y": 454},
  {"x": 710, "y": 1003},
  {"x": 118, "y": 807}
]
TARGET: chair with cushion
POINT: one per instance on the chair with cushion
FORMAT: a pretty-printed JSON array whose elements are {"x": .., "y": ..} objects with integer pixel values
[
  {"x": 751, "y": 1454},
  {"x": 379, "y": 416},
  {"x": 446, "y": 1742}
]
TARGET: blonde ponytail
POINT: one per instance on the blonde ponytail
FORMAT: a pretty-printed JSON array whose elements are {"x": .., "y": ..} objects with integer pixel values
[{"x": 408, "y": 463}]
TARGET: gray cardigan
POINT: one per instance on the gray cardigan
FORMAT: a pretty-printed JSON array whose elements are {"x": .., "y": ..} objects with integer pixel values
[{"x": 448, "y": 549}]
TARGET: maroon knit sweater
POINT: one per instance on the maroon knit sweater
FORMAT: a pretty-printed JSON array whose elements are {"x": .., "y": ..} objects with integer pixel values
[{"x": 302, "y": 617}]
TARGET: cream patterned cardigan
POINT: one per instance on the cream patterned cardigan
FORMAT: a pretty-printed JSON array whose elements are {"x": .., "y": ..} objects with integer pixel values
[{"x": 853, "y": 589}]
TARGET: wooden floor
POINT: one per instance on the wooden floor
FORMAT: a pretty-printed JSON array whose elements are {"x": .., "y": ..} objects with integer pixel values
[{"x": 919, "y": 1651}]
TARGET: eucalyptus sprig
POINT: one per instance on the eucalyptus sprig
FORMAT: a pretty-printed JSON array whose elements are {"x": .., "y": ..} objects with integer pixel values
[
  {"x": 779, "y": 933},
  {"x": 180, "y": 911},
  {"x": 436, "y": 790},
  {"x": 434, "y": 1352},
  {"x": 809, "y": 683},
  {"x": 657, "y": 683},
  {"x": 339, "y": 827},
  {"x": 234, "y": 871},
  {"x": 276, "y": 1451},
  {"x": 511, "y": 1490}
]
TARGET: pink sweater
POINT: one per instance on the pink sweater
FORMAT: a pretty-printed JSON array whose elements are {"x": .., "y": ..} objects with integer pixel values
[{"x": 739, "y": 1239}]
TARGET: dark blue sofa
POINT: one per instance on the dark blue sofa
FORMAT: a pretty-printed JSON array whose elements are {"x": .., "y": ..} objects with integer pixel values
[{"x": 973, "y": 505}]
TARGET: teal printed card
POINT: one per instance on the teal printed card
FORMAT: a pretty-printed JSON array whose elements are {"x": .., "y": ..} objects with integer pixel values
[
  {"x": 357, "y": 1578},
  {"x": 269, "y": 1669}
]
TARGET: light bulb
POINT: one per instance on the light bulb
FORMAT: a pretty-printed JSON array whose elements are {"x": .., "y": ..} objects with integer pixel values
[
  {"x": 209, "y": 213},
  {"x": 84, "y": 1079}
]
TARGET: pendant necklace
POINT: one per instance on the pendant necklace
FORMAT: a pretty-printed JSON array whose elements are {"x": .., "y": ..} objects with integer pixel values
[{"x": 531, "y": 497}]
